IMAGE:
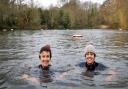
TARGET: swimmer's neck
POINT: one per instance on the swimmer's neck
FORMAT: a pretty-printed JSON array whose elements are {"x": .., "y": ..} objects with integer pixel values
[{"x": 44, "y": 67}]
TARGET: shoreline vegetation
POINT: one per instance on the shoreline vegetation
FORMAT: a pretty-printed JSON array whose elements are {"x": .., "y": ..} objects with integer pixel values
[{"x": 72, "y": 14}]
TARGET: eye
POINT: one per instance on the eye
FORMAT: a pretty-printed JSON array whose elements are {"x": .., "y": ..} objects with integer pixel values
[
  {"x": 45, "y": 61},
  {"x": 43, "y": 56},
  {"x": 89, "y": 53},
  {"x": 48, "y": 56}
]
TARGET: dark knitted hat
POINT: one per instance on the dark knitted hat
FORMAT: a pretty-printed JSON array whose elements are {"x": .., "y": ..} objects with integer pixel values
[{"x": 46, "y": 48}]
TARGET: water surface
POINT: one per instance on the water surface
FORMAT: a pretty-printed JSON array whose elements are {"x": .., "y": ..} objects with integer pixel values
[{"x": 19, "y": 52}]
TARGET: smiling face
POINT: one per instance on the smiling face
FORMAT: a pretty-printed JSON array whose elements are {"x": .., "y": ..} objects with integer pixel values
[
  {"x": 90, "y": 57},
  {"x": 45, "y": 58}
]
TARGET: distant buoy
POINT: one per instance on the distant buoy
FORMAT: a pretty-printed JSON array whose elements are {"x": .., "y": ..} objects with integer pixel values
[
  {"x": 120, "y": 29},
  {"x": 12, "y": 29},
  {"x": 76, "y": 35}
]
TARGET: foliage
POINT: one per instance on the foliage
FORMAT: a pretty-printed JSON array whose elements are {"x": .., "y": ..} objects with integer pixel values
[
  {"x": 115, "y": 13},
  {"x": 71, "y": 14}
]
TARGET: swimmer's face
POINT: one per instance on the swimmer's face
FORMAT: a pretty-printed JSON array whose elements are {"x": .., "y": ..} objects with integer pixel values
[
  {"x": 90, "y": 57},
  {"x": 45, "y": 58}
]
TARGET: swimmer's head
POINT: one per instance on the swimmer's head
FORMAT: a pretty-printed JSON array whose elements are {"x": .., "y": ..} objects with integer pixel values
[
  {"x": 90, "y": 48},
  {"x": 90, "y": 54},
  {"x": 47, "y": 49},
  {"x": 45, "y": 55}
]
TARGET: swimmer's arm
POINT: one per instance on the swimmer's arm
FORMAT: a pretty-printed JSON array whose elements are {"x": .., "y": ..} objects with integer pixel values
[{"x": 28, "y": 77}]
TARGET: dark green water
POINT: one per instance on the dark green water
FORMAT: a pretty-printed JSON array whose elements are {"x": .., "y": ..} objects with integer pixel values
[{"x": 19, "y": 51}]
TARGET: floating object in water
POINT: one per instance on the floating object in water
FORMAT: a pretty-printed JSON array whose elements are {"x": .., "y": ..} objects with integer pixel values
[
  {"x": 76, "y": 35},
  {"x": 12, "y": 29},
  {"x": 120, "y": 29}
]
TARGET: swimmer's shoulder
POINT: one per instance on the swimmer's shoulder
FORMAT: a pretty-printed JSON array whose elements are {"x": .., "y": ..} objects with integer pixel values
[{"x": 101, "y": 67}]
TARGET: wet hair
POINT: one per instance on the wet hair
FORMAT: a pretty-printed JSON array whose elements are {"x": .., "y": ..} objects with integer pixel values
[{"x": 47, "y": 49}]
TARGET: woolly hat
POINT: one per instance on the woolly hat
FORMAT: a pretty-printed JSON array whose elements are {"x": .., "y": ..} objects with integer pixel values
[
  {"x": 46, "y": 48},
  {"x": 90, "y": 48}
]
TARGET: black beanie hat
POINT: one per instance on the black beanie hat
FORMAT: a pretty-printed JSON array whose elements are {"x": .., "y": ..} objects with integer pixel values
[{"x": 46, "y": 48}]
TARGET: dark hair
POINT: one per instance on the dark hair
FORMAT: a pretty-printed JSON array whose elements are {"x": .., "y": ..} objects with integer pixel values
[{"x": 46, "y": 48}]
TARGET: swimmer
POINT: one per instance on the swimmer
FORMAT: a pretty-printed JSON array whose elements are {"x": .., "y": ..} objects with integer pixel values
[
  {"x": 45, "y": 58},
  {"x": 90, "y": 64}
]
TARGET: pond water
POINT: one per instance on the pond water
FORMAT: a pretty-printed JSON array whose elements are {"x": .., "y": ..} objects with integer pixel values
[{"x": 19, "y": 52}]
